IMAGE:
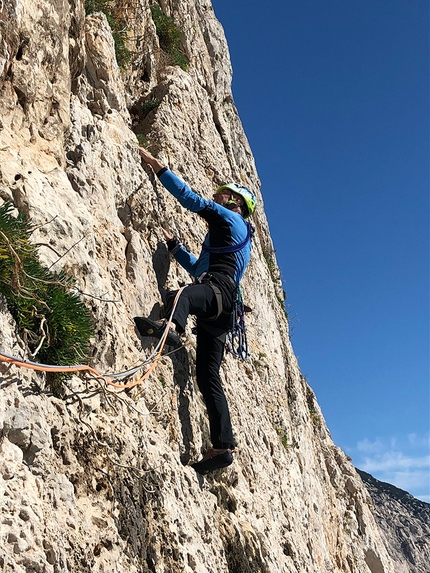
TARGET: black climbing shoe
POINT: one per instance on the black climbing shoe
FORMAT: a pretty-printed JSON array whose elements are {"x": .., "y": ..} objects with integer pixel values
[
  {"x": 148, "y": 327},
  {"x": 214, "y": 460}
]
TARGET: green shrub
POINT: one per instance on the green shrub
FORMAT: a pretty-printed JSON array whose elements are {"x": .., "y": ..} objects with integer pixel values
[
  {"x": 142, "y": 139},
  {"x": 117, "y": 25},
  {"x": 169, "y": 35},
  {"x": 92, "y": 6},
  {"x": 283, "y": 437},
  {"x": 149, "y": 105},
  {"x": 50, "y": 317},
  {"x": 271, "y": 265},
  {"x": 314, "y": 416}
]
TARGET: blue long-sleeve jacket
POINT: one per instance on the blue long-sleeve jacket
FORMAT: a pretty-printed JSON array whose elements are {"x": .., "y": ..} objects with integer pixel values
[{"x": 226, "y": 228}]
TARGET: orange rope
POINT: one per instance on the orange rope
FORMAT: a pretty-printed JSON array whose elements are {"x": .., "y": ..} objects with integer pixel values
[{"x": 84, "y": 367}]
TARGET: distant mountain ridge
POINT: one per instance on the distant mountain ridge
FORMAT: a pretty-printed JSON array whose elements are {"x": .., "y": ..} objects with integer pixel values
[{"x": 404, "y": 521}]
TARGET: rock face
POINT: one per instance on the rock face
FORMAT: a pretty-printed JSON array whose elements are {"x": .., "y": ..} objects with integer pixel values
[
  {"x": 97, "y": 479},
  {"x": 405, "y": 524}
]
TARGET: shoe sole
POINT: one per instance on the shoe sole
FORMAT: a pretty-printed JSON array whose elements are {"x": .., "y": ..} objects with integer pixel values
[
  {"x": 216, "y": 463},
  {"x": 148, "y": 327}
]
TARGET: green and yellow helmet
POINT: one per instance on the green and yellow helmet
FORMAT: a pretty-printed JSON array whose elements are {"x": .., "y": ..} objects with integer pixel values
[{"x": 245, "y": 193}]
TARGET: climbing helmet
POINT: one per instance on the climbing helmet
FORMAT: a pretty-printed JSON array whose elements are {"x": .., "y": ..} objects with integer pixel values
[{"x": 245, "y": 193}]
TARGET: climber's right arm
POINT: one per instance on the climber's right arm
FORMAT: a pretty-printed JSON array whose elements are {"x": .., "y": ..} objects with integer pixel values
[
  {"x": 176, "y": 186},
  {"x": 181, "y": 191}
]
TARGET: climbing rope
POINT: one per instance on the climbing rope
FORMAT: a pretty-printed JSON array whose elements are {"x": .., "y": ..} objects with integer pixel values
[{"x": 154, "y": 357}]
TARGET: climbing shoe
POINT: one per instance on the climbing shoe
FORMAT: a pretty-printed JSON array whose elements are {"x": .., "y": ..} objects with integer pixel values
[
  {"x": 155, "y": 328},
  {"x": 214, "y": 460}
]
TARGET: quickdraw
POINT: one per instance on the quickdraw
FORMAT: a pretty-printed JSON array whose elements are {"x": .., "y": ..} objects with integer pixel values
[{"x": 237, "y": 341}]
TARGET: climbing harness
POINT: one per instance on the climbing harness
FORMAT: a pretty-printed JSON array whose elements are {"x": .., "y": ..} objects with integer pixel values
[
  {"x": 154, "y": 357},
  {"x": 237, "y": 341},
  {"x": 206, "y": 278}
]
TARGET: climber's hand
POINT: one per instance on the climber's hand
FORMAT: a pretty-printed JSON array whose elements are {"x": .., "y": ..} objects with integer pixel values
[
  {"x": 167, "y": 235},
  {"x": 150, "y": 159},
  {"x": 145, "y": 155}
]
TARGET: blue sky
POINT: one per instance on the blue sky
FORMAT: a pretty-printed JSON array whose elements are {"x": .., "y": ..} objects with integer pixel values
[{"x": 334, "y": 99}]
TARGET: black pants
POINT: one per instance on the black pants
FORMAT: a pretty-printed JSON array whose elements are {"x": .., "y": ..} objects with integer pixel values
[{"x": 200, "y": 301}]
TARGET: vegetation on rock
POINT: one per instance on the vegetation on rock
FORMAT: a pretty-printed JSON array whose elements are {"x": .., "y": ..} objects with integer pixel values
[
  {"x": 169, "y": 35},
  {"x": 50, "y": 317},
  {"x": 112, "y": 11}
]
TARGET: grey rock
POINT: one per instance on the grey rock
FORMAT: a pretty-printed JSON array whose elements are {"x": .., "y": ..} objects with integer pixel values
[{"x": 405, "y": 523}]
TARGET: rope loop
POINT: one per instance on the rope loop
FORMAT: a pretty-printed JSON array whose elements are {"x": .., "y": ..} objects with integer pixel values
[{"x": 154, "y": 357}]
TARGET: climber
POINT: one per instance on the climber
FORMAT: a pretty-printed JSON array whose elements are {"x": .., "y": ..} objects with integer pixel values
[{"x": 217, "y": 271}]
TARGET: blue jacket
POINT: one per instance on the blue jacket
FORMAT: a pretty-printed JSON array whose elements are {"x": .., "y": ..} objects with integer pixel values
[{"x": 226, "y": 228}]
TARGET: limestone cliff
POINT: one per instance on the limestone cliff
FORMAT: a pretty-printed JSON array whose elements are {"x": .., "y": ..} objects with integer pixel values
[
  {"x": 97, "y": 479},
  {"x": 404, "y": 522}
]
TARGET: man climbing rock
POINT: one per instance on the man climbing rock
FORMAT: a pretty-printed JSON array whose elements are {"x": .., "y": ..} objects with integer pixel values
[{"x": 217, "y": 272}]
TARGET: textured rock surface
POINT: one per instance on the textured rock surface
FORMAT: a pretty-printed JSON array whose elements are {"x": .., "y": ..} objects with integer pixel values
[
  {"x": 97, "y": 480},
  {"x": 405, "y": 524}
]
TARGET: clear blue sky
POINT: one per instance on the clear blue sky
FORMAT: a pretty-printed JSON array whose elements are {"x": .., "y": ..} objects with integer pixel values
[{"x": 334, "y": 99}]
